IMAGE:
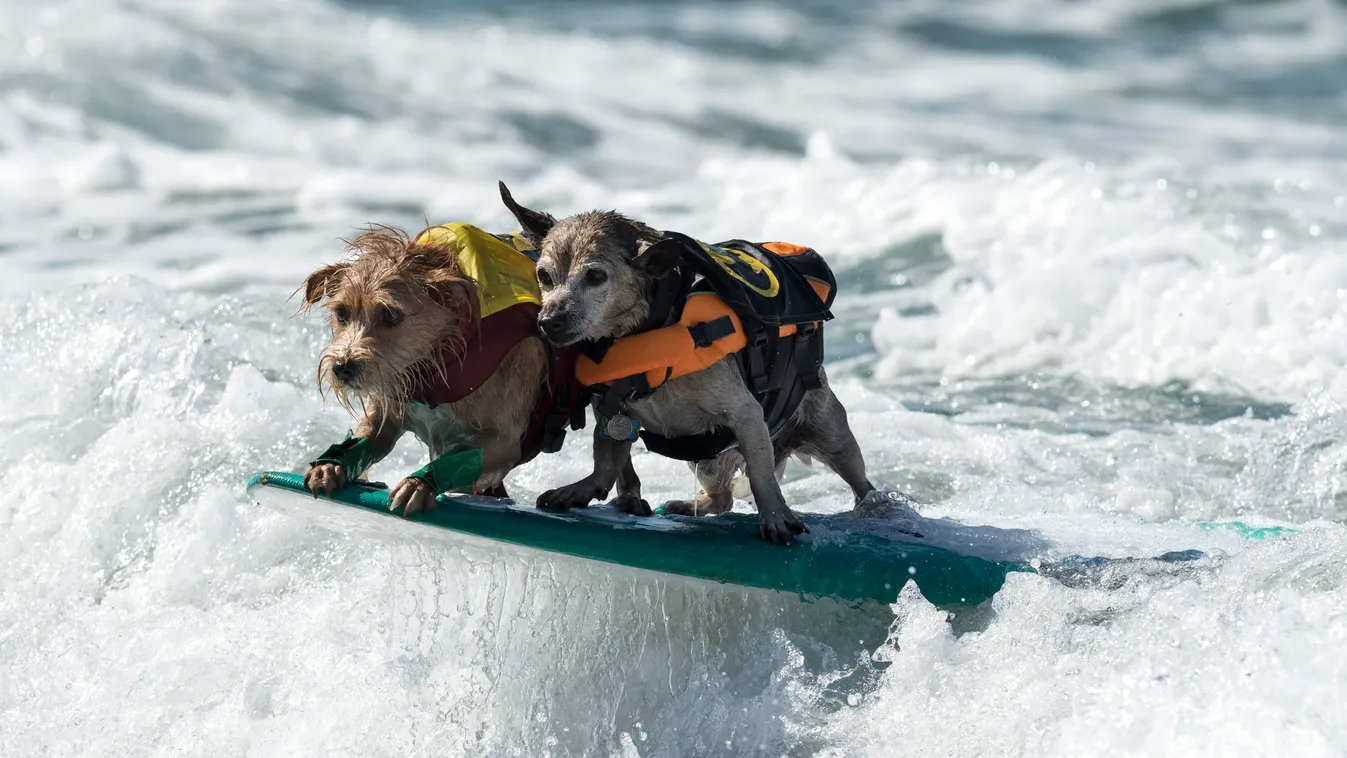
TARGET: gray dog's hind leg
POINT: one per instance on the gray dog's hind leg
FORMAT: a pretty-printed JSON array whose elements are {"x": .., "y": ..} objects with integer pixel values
[
  {"x": 776, "y": 522},
  {"x": 825, "y": 434},
  {"x": 716, "y": 476}
]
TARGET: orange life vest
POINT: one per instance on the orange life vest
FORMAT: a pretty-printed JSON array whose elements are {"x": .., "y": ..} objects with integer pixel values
[
  {"x": 697, "y": 340},
  {"x": 764, "y": 304}
]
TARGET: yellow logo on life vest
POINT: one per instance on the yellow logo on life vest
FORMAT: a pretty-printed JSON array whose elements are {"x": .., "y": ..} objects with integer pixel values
[
  {"x": 752, "y": 272},
  {"x": 518, "y": 241}
]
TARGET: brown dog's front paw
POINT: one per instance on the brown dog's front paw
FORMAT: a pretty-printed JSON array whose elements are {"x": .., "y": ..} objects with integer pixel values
[
  {"x": 412, "y": 495},
  {"x": 578, "y": 495},
  {"x": 325, "y": 478},
  {"x": 780, "y": 526},
  {"x": 632, "y": 504}
]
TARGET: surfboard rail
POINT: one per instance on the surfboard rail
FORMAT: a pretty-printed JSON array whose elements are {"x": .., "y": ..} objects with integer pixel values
[{"x": 841, "y": 557}]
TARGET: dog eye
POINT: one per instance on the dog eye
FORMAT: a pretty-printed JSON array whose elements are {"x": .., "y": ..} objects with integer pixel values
[
  {"x": 595, "y": 277},
  {"x": 544, "y": 278},
  {"x": 392, "y": 317},
  {"x": 342, "y": 314}
]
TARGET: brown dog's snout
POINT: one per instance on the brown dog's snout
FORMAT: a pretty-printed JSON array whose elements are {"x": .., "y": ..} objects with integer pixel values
[{"x": 345, "y": 371}]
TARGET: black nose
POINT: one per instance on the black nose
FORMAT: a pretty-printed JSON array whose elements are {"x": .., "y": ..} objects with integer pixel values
[
  {"x": 345, "y": 370},
  {"x": 551, "y": 326}
]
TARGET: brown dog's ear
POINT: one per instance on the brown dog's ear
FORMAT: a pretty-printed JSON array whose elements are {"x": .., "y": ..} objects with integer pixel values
[
  {"x": 447, "y": 285},
  {"x": 435, "y": 265},
  {"x": 322, "y": 283},
  {"x": 536, "y": 223},
  {"x": 659, "y": 257}
]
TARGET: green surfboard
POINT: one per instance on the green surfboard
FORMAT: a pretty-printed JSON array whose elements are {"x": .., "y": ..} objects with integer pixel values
[{"x": 843, "y": 556}]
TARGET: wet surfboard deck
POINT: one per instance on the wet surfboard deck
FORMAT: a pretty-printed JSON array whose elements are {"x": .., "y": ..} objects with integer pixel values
[{"x": 843, "y": 556}]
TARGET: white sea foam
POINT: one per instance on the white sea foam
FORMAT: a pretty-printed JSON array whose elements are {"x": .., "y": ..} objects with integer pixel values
[{"x": 1091, "y": 286}]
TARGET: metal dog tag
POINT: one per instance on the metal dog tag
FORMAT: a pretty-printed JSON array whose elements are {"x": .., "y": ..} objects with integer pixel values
[{"x": 621, "y": 428}]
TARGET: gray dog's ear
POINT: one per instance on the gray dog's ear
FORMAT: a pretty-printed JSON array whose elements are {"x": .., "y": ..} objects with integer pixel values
[
  {"x": 645, "y": 233},
  {"x": 536, "y": 223},
  {"x": 659, "y": 257}
]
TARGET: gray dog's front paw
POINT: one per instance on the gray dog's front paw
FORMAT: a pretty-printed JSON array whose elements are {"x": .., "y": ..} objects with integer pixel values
[
  {"x": 779, "y": 526},
  {"x": 632, "y": 504},
  {"x": 578, "y": 495}
]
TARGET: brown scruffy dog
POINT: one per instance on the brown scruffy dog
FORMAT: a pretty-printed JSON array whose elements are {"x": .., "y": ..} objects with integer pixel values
[
  {"x": 397, "y": 308},
  {"x": 596, "y": 271}
]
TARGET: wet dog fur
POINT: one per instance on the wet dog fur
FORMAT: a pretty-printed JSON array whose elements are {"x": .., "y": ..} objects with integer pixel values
[
  {"x": 394, "y": 306},
  {"x": 595, "y": 270}
]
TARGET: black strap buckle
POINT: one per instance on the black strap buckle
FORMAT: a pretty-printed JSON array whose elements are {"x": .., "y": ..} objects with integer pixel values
[
  {"x": 757, "y": 337},
  {"x": 577, "y": 419},
  {"x": 808, "y": 355},
  {"x": 609, "y": 403},
  {"x": 555, "y": 422},
  {"x": 707, "y": 332},
  {"x": 755, "y": 351}
]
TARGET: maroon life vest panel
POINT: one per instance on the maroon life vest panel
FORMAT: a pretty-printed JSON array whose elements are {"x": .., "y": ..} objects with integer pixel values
[
  {"x": 488, "y": 342},
  {"x": 562, "y": 402}
]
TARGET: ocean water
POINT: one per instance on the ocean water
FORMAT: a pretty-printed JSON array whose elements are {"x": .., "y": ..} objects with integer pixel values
[{"x": 1093, "y": 285}]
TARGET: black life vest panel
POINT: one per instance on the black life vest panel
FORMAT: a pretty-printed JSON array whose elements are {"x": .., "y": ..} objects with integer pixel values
[{"x": 772, "y": 287}]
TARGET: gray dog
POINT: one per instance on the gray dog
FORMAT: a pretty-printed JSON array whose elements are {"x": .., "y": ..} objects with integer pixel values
[{"x": 597, "y": 272}]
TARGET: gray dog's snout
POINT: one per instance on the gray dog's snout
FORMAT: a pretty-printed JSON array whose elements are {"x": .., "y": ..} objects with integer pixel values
[
  {"x": 552, "y": 326},
  {"x": 345, "y": 370}
]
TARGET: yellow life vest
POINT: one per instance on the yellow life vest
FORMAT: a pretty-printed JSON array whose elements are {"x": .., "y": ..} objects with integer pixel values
[
  {"x": 503, "y": 270},
  {"x": 508, "y": 296}
]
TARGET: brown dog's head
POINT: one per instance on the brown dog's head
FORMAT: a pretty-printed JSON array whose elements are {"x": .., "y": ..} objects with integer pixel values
[
  {"x": 394, "y": 306},
  {"x": 594, "y": 270}
]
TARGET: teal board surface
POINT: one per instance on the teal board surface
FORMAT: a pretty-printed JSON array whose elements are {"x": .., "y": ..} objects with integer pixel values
[{"x": 844, "y": 557}]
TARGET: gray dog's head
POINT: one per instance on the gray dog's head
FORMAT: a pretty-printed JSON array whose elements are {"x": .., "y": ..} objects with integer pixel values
[{"x": 594, "y": 270}]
